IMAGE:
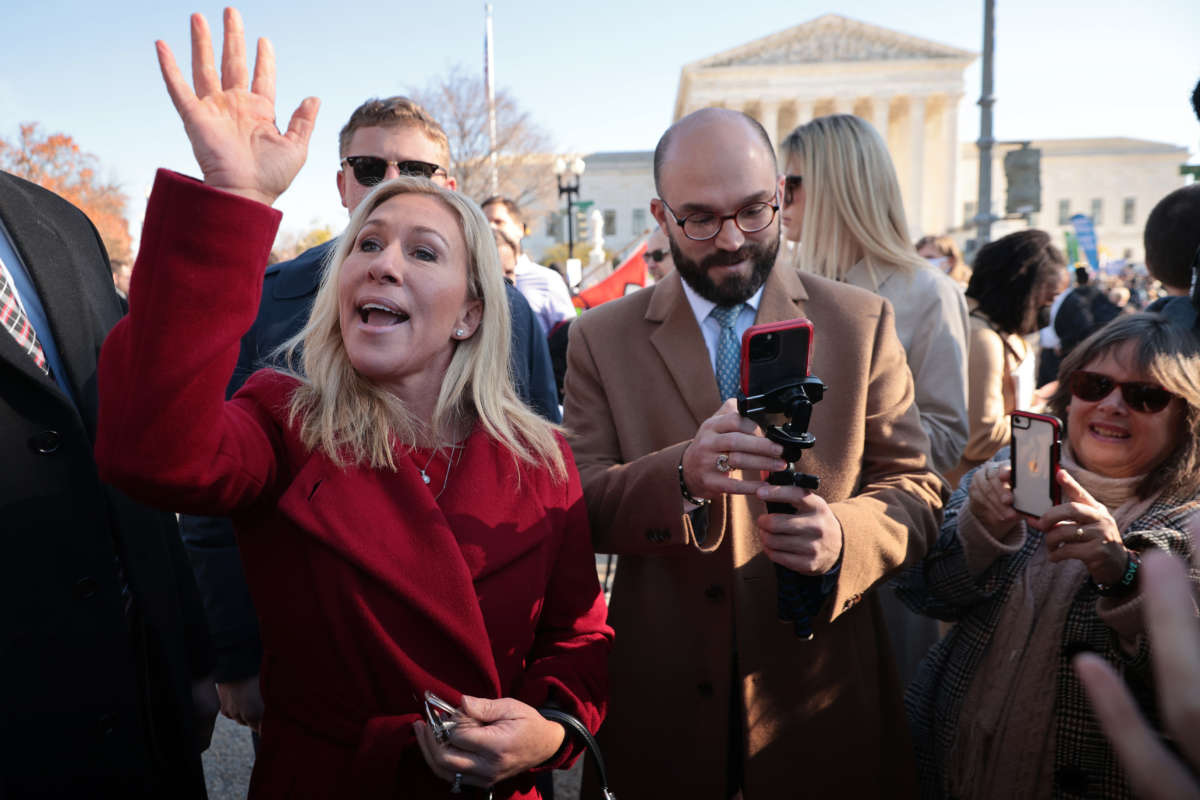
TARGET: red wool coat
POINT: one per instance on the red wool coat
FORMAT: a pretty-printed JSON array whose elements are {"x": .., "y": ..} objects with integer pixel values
[{"x": 370, "y": 589}]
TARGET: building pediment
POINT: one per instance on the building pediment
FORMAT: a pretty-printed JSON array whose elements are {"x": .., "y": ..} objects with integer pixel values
[{"x": 831, "y": 39}]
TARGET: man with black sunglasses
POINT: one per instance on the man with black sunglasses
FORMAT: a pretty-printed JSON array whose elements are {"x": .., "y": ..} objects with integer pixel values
[
  {"x": 382, "y": 140},
  {"x": 712, "y": 697},
  {"x": 658, "y": 255}
]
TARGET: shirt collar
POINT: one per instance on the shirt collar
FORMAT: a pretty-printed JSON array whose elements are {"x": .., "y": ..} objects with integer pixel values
[{"x": 702, "y": 307}]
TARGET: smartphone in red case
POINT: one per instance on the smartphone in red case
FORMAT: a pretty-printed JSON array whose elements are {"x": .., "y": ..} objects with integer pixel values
[
  {"x": 774, "y": 355},
  {"x": 1036, "y": 446}
]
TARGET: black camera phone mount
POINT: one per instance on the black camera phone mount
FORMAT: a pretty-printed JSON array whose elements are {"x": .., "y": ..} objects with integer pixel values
[{"x": 799, "y": 595}]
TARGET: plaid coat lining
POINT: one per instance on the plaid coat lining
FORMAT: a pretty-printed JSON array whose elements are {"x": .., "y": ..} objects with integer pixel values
[{"x": 941, "y": 587}]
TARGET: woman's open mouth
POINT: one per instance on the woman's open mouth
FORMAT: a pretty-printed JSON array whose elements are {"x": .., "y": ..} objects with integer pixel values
[{"x": 378, "y": 314}]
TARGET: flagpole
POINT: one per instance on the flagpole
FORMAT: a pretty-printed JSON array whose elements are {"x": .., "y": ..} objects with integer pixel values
[{"x": 489, "y": 79}]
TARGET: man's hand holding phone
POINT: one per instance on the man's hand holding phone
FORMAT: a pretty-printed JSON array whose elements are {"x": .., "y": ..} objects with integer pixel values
[
  {"x": 727, "y": 442},
  {"x": 809, "y": 541}
]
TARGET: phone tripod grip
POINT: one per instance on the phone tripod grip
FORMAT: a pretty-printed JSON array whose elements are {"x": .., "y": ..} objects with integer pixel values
[{"x": 799, "y": 596}]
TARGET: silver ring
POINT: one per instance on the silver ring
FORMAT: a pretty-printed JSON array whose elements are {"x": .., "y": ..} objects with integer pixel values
[
  {"x": 723, "y": 463},
  {"x": 456, "y": 787},
  {"x": 1079, "y": 533}
]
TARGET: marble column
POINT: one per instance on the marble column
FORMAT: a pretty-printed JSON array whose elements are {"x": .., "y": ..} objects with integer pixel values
[
  {"x": 880, "y": 107},
  {"x": 843, "y": 104},
  {"x": 950, "y": 142},
  {"x": 768, "y": 116},
  {"x": 916, "y": 171},
  {"x": 804, "y": 111}
]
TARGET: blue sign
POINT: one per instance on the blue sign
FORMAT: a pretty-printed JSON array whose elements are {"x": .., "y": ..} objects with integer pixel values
[{"x": 1085, "y": 232}]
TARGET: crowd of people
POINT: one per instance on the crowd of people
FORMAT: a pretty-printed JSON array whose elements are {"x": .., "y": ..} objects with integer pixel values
[{"x": 346, "y": 501}]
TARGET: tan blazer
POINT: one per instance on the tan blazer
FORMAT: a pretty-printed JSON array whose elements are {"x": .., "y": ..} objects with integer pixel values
[{"x": 821, "y": 717}]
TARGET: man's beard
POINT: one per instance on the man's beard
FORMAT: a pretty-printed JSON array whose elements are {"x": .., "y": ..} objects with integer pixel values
[{"x": 735, "y": 288}]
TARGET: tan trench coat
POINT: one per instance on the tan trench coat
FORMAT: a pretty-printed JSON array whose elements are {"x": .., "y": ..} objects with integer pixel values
[{"x": 821, "y": 717}]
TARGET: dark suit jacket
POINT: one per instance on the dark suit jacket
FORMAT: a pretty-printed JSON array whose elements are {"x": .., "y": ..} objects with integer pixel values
[
  {"x": 87, "y": 707},
  {"x": 289, "y": 288}
]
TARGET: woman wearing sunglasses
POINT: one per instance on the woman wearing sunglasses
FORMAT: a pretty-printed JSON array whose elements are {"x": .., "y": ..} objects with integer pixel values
[
  {"x": 406, "y": 524},
  {"x": 996, "y": 709},
  {"x": 842, "y": 209}
]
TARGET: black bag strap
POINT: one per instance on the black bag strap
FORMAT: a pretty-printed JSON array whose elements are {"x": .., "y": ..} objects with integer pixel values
[{"x": 576, "y": 727}]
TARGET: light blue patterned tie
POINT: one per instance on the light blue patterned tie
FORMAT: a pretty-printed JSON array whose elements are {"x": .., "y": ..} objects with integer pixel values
[{"x": 728, "y": 349}]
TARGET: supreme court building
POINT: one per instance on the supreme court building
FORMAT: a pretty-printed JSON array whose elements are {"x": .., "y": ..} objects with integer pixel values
[{"x": 910, "y": 89}]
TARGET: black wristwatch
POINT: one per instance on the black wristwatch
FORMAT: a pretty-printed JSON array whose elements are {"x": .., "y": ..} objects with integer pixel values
[{"x": 1128, "y": 582}]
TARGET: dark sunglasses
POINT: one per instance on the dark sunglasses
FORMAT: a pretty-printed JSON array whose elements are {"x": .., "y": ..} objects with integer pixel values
[
  {"x": 658, "y": 255},
  {"x": 1145, "y": 398},
  {"x": 790, "y": 184},
  {"x": 369, "y": 170}
]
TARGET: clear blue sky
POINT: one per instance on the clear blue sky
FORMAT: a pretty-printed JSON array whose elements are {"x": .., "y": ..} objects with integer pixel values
[{"x": 597, "y": 76}]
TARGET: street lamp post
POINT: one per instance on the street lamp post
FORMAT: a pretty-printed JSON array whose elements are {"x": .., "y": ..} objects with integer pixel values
[
  {"x": 984, "y": 216},
  {"x": 568, "y": 174}
]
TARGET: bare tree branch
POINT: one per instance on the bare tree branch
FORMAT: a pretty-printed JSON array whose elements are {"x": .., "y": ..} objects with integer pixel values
[{"x": 458, "y": 100}]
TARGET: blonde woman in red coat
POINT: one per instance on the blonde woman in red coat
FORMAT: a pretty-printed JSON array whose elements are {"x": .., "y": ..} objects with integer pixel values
[{"x": 406, "y": 524}]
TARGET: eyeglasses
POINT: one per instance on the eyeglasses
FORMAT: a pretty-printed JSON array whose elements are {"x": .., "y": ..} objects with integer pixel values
[
  {"x": 790, "y": 184},
  {"x": 440, "y": 716},
  {"x": 703, "y": 225},
  {"x": 1145, "y": 398},
  {"x": 658, "y": 255},
  {"x": 369, "y": 170}
]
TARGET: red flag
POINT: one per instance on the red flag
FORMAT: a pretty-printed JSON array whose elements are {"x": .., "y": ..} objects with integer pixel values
[{"x": 629, "y": 277}]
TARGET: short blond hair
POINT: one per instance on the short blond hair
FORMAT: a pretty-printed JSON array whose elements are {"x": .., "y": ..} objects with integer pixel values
[
  {"x": 853, "y": 210},
  {"x": 352, "y": 419},
  {"x": 392, "y": 112}
]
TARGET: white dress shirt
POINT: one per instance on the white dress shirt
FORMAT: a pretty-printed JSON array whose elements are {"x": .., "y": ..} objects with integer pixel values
[
  {"x": 710, "y": 328},
  {"x": 546, "y": 292}
]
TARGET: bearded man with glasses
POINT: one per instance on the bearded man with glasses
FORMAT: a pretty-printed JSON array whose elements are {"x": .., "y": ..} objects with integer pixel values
[
  {"x": 382, "y": 140},
  {"x": 711, "y": 696}
]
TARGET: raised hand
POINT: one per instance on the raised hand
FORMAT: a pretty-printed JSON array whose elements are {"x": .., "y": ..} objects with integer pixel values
[{"x": 231, "y": 127}]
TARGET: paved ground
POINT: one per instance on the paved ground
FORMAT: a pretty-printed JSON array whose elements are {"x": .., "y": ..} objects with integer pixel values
[{"x": 228, "y": 761}]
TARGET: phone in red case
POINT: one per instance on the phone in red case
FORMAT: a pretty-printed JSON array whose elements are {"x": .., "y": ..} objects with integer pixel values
[
  {"x": 1036, "y": 446},
  {"x": 775, "y": 354}
]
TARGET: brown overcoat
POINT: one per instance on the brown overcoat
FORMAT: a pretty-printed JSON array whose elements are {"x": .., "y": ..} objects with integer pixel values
[{"x": 821, "y": 718}]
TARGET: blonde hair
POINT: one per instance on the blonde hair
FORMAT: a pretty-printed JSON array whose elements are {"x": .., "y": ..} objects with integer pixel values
[
  {"x": 852, "y": 211},
  {"x": 352, "y": 419}
]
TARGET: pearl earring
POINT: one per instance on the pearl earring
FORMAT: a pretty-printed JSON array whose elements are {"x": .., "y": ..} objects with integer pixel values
[{"x": 459, "y": 332}]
